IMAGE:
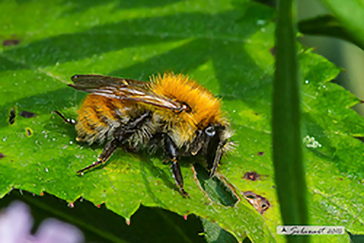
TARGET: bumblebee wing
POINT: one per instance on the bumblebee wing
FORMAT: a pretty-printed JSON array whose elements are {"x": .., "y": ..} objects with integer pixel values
[
  {"x": 124, "y": 89},
  {"x": 83, "y": 82}
]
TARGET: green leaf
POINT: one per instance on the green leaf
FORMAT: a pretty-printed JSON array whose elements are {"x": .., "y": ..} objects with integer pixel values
[
  {"x": 350, "y": 15},
  {"x": 214, "y": 233},
  {"x": 327, "y": 25},
  {"x": 224, "y": 47}
]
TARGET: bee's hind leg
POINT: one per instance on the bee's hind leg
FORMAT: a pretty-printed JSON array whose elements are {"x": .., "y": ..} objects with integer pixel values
[
  {"x": 67, "y": 120},
  {"x": 108, "y": 151},
  {"x": 172, "y": 151}
]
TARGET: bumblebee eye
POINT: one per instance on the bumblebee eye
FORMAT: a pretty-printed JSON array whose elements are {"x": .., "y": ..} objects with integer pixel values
[{"x": 210, "y": 131}]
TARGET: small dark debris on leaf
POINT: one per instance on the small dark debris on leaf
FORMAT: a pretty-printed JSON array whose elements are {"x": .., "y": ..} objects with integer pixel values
[
  {"x": 256, "y": 114},
  {"x": 11, "y": 42},
  {"x": 27, "y": 114},
  {"x": 28, "y": 132},
  {"x": 252, "y": 176},
  {"x": 2, "y": 155},
  {"x": 340, "y": 179},
  {"x": 261, "y": 204},
  {"x": 260, "y": 153},
  {"x": 12, "y": 115},
  {"x": 273, "y": 51}
]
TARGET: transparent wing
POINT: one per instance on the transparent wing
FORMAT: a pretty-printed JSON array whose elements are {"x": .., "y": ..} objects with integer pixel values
[{"x": 124, "y": 89}]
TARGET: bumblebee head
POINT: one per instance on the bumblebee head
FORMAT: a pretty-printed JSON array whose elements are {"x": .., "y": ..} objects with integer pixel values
[{"x": 217, "y": 143}]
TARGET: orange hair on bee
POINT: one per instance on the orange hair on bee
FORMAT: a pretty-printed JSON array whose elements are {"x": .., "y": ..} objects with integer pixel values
[
  {"x": 97, "y": 116},
  {"x": 205, "y": 107}
]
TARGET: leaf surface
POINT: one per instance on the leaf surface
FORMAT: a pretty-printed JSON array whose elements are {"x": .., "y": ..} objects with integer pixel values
[{"x": 225, "y": 47}]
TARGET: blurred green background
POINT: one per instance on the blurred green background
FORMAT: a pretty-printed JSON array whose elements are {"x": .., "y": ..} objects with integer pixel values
[{"x": 343, "y": 53}]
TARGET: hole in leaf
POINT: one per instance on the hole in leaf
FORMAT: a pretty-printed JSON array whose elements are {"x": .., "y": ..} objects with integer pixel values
[
  {"x": 28, "y": 132},
  {"x": 216, "y": 189},
  {"x": 12, "y": 115}
]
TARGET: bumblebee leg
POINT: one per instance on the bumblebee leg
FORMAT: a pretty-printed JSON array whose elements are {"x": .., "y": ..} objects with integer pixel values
[
  {"x": 108, "y": 151},
  {"x": 67, "y": 120},
  {"x": 215, "y": 158},
  {"x": 178, "y": 177},
  {"x": 172, "y": 152}
]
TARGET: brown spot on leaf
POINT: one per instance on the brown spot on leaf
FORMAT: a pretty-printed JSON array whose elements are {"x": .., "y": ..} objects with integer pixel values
[
  {"x": 261, "y": 204},
  {"x": 27, "y": 114},
  {"x": 252, "y": 176},
  {"x": 260, "y": 153},
  {"x": 11, "y": 42},
  {"x": 2, "y": 155}
]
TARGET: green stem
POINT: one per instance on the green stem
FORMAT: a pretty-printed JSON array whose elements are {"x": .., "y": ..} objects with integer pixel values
[{"x": 287, "y": 142}]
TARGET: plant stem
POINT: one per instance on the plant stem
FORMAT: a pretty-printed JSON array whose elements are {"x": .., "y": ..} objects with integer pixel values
[{"x": 287, "y": 141}]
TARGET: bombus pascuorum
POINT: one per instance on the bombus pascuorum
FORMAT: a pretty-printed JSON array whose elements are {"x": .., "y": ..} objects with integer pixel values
[{"x": 170, "y": 112}]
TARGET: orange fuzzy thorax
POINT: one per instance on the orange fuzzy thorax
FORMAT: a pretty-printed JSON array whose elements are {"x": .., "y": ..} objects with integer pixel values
[{"x": 205, "y": 107}]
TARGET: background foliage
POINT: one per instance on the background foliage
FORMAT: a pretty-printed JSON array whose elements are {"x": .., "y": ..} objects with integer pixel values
[{"x": 227, "y": 47}]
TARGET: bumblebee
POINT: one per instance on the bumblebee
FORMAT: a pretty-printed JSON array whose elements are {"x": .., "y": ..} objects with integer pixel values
[{"x": 171, "y": 112}]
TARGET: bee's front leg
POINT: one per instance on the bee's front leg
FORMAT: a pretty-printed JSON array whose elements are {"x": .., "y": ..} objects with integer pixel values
[{"x": 172, "y": 151}]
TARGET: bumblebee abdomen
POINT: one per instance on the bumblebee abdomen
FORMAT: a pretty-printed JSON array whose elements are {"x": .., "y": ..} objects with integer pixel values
[{"x": 99, "y": 118}]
